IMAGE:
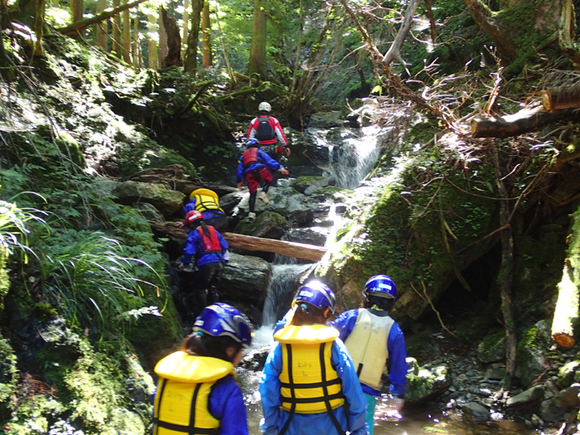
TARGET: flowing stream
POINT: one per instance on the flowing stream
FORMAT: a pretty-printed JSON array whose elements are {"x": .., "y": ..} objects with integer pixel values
[{"x": 352, "y": 154}]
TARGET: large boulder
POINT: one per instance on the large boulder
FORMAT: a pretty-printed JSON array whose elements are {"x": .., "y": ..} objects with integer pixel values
[{"x": 167, "y": 201}]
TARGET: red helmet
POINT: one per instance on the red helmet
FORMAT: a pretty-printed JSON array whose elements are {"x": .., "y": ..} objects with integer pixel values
[{"x": 193, "y": 216}]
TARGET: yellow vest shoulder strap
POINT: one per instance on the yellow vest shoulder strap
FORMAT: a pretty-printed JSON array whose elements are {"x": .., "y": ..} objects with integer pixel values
[
  {"x": 309, "y": 334},
  {"x": 182, "y": 367}
]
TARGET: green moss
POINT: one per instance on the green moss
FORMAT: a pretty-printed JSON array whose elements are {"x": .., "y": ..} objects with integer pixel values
[{"x": 8, "y": 376}]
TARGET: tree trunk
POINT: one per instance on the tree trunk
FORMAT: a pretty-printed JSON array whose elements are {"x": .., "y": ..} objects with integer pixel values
[
  {"x": 565, "y": 322},
  {"x": 190, "y": 62},
  {"x": 258, "y": 64},
  {"x": 162, "y": 50},
  {"x": 102, "y": 27},
  {"x": 206, "y": 37},
  {"x": 185, "y": 30},
  {"x": 39, "y": 26},
  {"x": 117, "y": 45},
  {"x": 395, "y": 50},
  {"x": 136, "y": 52},
  {"x": 522, "y": 122},
  {"x": 152, "y": 20},
  {"x": 172, "y": 39},
  {"x": 76, "y": 8},
  {"x": 506, "y": 271},
  {"x": 127, "y": 36},
  {"x": 230, "y": 72},
  {"x": 250, "y": 243},
  {"x": 105, "y": 15}
]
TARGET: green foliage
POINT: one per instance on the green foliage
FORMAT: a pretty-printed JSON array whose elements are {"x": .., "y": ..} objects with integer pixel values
[{"x": 90, "y": 281}]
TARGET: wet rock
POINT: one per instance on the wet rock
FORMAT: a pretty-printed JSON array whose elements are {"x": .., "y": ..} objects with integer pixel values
[
  {"x": 495, "y": 371},
  {"x": 429, "y": 382},
  {"x": 312, "y": 236},
  {"x": 492, "y": 348},
  {"x": 568, "y": 373},
  {"x": 325, "y": 119},
  {"x": 246, "y": 278},
  {"x": 476, "y": 412},
  {"x": 526, "y": 397},
  {"x": 167, "y": 201},
  {"x": 149, "y": 212},
  {"x": 531, "y": 352}
]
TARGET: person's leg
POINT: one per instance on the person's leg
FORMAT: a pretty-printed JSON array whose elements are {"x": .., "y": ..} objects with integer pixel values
[
  {"x": 214, "y": 282},
  {"x": 371, "y": 404},
  {"x": 203, "y": 278},
  {"x": 267, "y": 177},
  {"x": 253, "y": 181}
]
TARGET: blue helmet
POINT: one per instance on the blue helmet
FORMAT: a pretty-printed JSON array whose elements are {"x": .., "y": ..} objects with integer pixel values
[
  {"x": 252, "y": 143},
  {"x": 381, "y": 286},
  {"x": 221, "y": 319},
  {"x": 317, "y": 294}
]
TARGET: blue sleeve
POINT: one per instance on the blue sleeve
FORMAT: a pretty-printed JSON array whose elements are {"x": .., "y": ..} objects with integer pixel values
[
  {"x": 189, "y": 206},
  {"x": 226, "y": 403},
  {"x": 270, "y": 393},
  {"x": 190, "y": 248},
  {"x": 345, "y": 323},
  {"x": 269, "y": 161},
  {"x": 397, "y": 361},
  {"x": 357, "y": 403},
  {"x": 240, "y": 170}
]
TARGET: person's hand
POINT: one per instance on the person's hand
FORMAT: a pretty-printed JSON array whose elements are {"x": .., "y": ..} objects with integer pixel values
[
  {"x": 180, "y": 266},
  {"x": 284, "y": 171},
  {"x": 178, "y": 224},
  {"x": 280, "y": 150},
  {"x": 240, "y": 184},
  {"x": 287, "y": 150}
]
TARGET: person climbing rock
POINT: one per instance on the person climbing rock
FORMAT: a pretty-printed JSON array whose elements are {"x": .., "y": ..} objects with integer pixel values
[
  {"x": 207, "y": 202},
  {"x": 197, "y": 392},
  {"x": 310, "y": 361},
  {"x": 210, "y": 250},
  {"x": 376, "y": 342},
  {"x": 256, "y": 166},
  {"x": 268, "y": 131}
]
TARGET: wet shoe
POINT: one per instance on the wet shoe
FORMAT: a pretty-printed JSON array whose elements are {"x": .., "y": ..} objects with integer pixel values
[
  {"x": 251, "y": 215},
  {"x": 264, "y": 197}
]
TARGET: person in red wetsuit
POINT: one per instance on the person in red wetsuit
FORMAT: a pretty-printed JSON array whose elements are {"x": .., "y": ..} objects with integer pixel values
[
  {"x": 256, "y": 166},
  {"x": 267, "y": 130}
]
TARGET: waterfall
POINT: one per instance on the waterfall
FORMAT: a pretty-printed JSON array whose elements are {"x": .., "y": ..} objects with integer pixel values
[
  {"x": 284, "y": 284},
  {"x": 352, "y": 153}
]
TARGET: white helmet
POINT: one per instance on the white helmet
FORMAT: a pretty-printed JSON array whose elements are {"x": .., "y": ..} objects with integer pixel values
[{"x": 265, "y": 107}]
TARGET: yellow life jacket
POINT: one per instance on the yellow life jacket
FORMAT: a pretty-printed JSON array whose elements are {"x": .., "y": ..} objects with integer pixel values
[
  {"x": 309, "y": 384},
  {"x": 181, "y": 402},
  {"x": 205, "y": 199},
  {"x": 367, "y": 346}
]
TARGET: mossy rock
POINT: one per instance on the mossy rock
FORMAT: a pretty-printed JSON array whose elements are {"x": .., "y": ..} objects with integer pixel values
[
  {"x": 302, "y": 183},
  {"x": 492, "y": 348}
]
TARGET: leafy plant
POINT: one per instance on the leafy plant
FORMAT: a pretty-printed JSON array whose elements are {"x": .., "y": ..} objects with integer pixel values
[{"x": 92, "y": 283}]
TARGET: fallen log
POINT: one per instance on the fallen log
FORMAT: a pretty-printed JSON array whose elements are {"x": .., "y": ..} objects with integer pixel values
[
  {"x": 524, "y": 121},
  {"x": 105, "y": 15},
  {"x": 566, "y": 319},
  {"x": 250, "y": 243}
]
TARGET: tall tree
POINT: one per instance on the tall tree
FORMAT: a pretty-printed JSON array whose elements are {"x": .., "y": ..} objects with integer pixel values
[
  {"x": 136, "y": 47},
  {"x": 206, "y": 37},
  {"x": 102, "y": 27},
  {"x": 190, "y": 63},
  {"x": 185, "y": 30},
  {"x": 77, "y": 10},
  {"x": 127, "y": 36},
  {"x": 258, "y": 62},
  {"x": 152, "y": 33},
  {"x": 117, "y": 45}
]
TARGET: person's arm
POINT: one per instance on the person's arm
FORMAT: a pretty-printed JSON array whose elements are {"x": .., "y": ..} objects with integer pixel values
[
  {"x": 270, "y": 393},
  {"x": 240, "y": 172},
  {"x": 190, "y": 248},
  {"x": 270, "y": 163},
  {"x": 345, "y": 323},
  {"x": 397, "y": 361},
  {"x": 226, "y": 403},
  {"x": 357, "y": 403},
  {"x": 223, "y": 243},
  {"x": 280, "y": 135},
  {"x": 252, "y": 129}
]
